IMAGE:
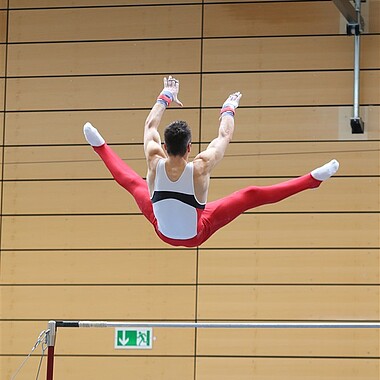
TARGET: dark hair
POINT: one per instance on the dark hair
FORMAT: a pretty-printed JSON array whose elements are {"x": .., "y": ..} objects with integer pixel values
[{"x": 177, "y": 136}]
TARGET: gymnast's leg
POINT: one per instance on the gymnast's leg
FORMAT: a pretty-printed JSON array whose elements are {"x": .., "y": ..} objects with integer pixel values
[
  {"x": 122, "y": 173},
  {"x": 219, "y": 213}
]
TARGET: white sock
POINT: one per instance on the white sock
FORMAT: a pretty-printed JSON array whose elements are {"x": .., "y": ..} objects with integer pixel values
[
  {"x": 92, "y": 135},
  {"x": 325, "y": 171}
]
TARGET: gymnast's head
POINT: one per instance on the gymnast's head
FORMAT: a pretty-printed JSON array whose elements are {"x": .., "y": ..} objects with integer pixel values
[{"x": 177, "y": 138}]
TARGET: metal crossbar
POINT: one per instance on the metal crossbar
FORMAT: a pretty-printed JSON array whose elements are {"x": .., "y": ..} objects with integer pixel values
[
  {"x": 53, "y": 325},
  {"x": 224, "y": 325}
]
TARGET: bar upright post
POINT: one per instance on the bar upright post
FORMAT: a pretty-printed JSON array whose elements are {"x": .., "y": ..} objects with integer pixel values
[{"x": 51, "y": 343}]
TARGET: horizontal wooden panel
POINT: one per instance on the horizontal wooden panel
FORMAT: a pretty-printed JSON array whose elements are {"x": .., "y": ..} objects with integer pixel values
[
  {"x": 283, "y": 302},
  {"x": 2, "y": 90},
  {"x": 99, "y": 267},
  {"x": 285, "y": 342},
  {"x": 304, "y": 231},
  {"x": 104, "y": 58},
  {"x": 360, "y": 194},
  {"x": 285, "y": 89},
  {"x": 2, "y": 117},
  {"x": 369, "y": 46},
  {"x": 262, "y": 124},
  {"x": 286, "y": 369},
  {"x": 83, "y": 3},
  {"x": 86, "y": 197},
  {"x": 127, "y": 23},
  {"x": 19, "y": 336},
  {"x": 98, "y": 302},
  {"x": 356, "y": 158},
  {"x": 3, "y": 25},
  {"x": 301, "y": 53},
  {"x": 370, "y": 82},
  {"x": 94, "y": 92},
  {"x": 240, "y": 1},
  {"x": 35, "y": 128},
  {"x": 247, "y": 231},
  {"x": 222, "y": 266},
  {"x": 67, "y": 197},
  {"x": 287, "y": 160},
  {"x": 80, "y": 232},
  {"x": 99, "y": 368},
  {"x": 289, "y": 267},
  {"x": 373, "y": 21},
  {"x": 69, "y": 162},
  {"x": 267, "y": 19},
  {"x": 259, "y": 89},
  {"x": 2, "y": 64},
  {"x": 295, "y": 124},
  {"x": 207, "y": 368}
]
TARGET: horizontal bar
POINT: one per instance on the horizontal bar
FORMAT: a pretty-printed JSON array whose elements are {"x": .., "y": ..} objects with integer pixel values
[
  {"x": 67, "y": 324},
  {"x": 229, "y": 325}
]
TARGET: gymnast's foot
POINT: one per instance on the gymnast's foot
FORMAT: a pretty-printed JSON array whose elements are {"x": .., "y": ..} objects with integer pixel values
[
  {"x": 92, "y": 135},
  {"x": 325, "y": 171}
]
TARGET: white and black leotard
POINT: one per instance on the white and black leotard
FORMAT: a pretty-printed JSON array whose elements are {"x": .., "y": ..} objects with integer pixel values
[{"x": 175, "y": 204}]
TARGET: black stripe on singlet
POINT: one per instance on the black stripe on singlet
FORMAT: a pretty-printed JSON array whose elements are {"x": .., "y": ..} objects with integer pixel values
[{"x": 185, "y": 198}]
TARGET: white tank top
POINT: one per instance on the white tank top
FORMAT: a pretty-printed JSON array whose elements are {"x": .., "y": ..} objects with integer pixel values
[{"x": 174, "y": 203}]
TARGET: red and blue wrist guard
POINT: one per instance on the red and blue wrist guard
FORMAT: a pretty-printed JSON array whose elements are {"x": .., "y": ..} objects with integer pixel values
[
  {"x": 165, "y": 98},
  {"x": 227, "y": 110}
]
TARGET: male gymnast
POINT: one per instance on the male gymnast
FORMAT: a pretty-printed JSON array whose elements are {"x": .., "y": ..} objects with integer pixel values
[{"x": 174, "y": 196}]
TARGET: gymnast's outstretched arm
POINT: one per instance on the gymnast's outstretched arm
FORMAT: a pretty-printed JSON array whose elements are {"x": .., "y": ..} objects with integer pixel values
[
  {"x": 214, "y": 153},
  {"x": 206, "y": 160},
  {"x": 152, "y": 140}
]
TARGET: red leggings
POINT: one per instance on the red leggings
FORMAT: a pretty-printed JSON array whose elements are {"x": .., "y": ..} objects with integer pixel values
[{"x": 216, "y": 214}]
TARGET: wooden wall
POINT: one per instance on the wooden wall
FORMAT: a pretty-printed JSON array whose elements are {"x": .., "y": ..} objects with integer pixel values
[{"x": 73, "y": 244}]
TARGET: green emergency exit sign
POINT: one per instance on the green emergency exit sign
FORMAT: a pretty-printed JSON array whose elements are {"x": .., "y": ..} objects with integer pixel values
[{"x": 132, "y": 338}]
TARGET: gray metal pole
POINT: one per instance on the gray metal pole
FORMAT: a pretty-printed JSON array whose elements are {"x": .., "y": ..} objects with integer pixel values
[
  {"x": 354, "y": 27},
  {"x": 357, "y": 64}
]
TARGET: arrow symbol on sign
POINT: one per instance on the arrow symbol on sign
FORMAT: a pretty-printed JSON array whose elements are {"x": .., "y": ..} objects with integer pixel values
[{"x": 124, "y": 340}]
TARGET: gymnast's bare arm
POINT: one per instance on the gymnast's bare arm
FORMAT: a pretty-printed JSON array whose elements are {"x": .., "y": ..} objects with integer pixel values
[
  {"x": 205, "y": 161},
  {"x": 152, "y": 140}
]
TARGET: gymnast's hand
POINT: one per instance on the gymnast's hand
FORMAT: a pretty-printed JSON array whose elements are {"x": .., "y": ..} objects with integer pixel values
[
  {"x": 233, "y": 100},
  {"x": 230, "y": 105},
  {"x": 172, "y": 85}
]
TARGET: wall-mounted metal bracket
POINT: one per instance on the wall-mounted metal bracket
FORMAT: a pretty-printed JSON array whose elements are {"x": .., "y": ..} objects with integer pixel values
[
  {"x": 350, "y": 12},
  {"x": 355, "y": 26}
]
